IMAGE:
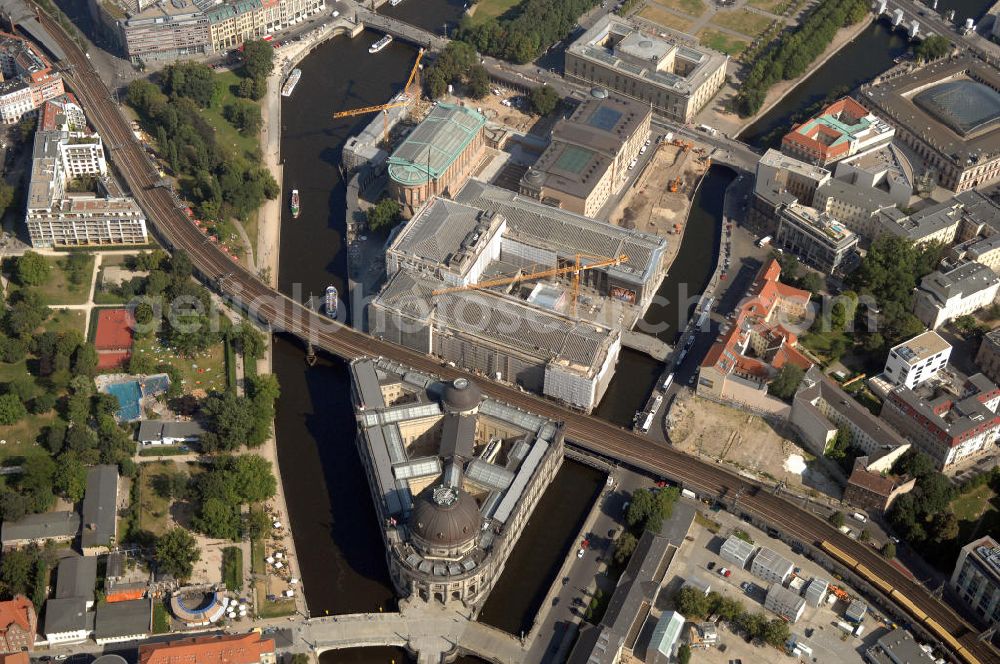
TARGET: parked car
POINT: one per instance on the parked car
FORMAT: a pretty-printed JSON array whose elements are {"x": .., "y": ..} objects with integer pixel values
[
  {"x": 724, "y": 571},
  {"x": 579, "y": 553},
  {"x": 711, "y": 565}
]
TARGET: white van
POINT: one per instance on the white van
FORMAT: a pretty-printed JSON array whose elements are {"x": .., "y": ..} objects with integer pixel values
[{"x": 860, "y": 517}]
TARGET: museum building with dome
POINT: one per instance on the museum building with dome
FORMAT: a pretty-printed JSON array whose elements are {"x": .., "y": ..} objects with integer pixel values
[{"x": 454, "y": 476}]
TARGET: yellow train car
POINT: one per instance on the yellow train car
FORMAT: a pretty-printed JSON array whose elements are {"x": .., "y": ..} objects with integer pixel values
[
  {"x": 873, "y": 579},
  {"x": 910, "y": 607},
  {"x": 950, "y": 641},
  {"x": 839, "y": 555}
]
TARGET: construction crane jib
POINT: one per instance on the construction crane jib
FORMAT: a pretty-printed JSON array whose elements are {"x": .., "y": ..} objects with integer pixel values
[{"x": 384, "y": 108}]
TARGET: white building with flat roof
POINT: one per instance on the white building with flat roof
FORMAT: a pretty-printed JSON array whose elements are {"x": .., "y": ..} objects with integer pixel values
[
  {"x": 947, "y": 294},
  {"x": 784, "y": 602},
  {"x": 770, "y": 565},
  {"x": 921, "y": 358}
]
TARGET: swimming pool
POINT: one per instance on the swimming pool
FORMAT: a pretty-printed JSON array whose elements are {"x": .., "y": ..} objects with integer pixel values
[{"x": 129, "y": 396}]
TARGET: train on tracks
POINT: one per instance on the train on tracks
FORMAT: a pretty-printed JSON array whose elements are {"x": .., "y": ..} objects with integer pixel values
[{"x": 902, "y": 600}]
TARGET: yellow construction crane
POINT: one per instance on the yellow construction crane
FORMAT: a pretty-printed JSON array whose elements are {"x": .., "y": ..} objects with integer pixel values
[
  {"x": 385, "y": 107},
  {"x": 574, "y": 269}
]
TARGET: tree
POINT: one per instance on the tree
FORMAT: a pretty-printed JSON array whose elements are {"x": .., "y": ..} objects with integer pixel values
[
  {"x": 192, "y": 80},
  {"x": 43, "y": 403},
  {"x": 944, "y": 526},
  {"x": 543, "y": 100},
  {"x": 837, "y": 519},
  {"x": 624, "y": 547},
  {"x": 384, "y": 215},
  {"x": 786, "y": 382},
  {"x": 70, "y": 477},
  {"x": 914, "y": 463},
  {"x": 216, "y": 518},
  {"x": 258, "y": 58},
  {"x": 256, "y": 524},
  {"x": 12, "y": 410},
  {"x": 85, "y": 360},
  {"x": 776, "y": 632},
  {"x": 888, "y": 550},
  {"x": 27, "y": 312},
  {"x": 252, "y": 476},
  {"x": 932, "y": 48},
  {"x": 479, "y": 82},
  {"x": 177, "y": 552},
  {"x": 16, "y": 572},
  {"x": 33, "y": 269},
  {"x": 684, "y": 654},
  {"x": 648, "y": 510},
  {"x": 300, "y": 658},
  {"x": 6, "y": 197},
  {"x": 231, "y": 422},
  {"x": 811, "y": 282},
  {"x": 691, "y": 603},
  {"x": 244, "y": 115},
  {"x": 865, "y": 535}
]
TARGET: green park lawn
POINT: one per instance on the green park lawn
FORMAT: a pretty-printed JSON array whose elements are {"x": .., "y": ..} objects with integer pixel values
[
  {"x": 18, "y": 440},
  {"x": 227, "y": 135},
  {"x": 64, "y": 320},
  {"x": 206, "y": 371},
  {"x": 777, "y": 7},
  {"x": 58, "y": 289},
  {"x": 690, "y": 7},
  {"x": 487, "y": 9},
  {"x": 154, "y": 510},
  {"x": 722, "y": 42},
  {"x": 742, "y": 21},
  {"x": 978, "y": 513},
  {"x": 660, "y": 16}
]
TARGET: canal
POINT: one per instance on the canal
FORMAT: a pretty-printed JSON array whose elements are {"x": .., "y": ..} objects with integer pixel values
[
  {"x": 686, "y": 280},
  {"x": 334, "y": 524}
]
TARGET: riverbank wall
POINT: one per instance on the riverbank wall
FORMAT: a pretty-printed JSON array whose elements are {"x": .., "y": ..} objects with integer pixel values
[{"x": 779, "y": 91}]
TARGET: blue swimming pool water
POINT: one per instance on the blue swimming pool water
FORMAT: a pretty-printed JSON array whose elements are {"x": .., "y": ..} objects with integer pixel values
[{"x": 129, "y": 396}]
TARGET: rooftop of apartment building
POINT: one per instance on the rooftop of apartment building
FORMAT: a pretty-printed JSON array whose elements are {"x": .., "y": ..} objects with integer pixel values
[
  {"x": 675, "y": 65},
  {"x": 838, "y": 128},
  {"x": 502, "y": 320},
  {"x": 921, "y": 347},
  {"x": 961, "y": 280},
  {"x": 866, "y": 198},
  {"x": 952, "y": 404},
  {"x": 434, "y": 144},
  {"x": 568, "y": 234},
  {"x": 821, "y": 223},
  {"x": 986, "y": 550},
  {"x": 231, "y": 649},
  {"x": 26, "y": 57},
  {"x": 884, "y": 158},
  {"x": 897, "y": 646},
  {"x": 951, "y": 104},
  {"x": 971, "y": 208},
  {"x": 777, "y": 159},
  {"x": 729, "y": 353},
  {"x": 818, "y": 386}
]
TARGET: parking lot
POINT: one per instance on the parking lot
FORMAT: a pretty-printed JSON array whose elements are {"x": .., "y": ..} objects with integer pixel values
[{"x": 817, "y": 626}]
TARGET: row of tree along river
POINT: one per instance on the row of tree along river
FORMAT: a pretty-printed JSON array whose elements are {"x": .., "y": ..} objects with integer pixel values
[{"x": 340, "y": 548}]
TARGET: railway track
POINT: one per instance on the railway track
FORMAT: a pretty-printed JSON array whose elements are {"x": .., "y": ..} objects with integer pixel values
[{"x": 282, "y": 314}]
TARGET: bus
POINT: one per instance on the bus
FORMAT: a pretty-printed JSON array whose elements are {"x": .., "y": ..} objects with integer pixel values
[{"x": 667, "y": 382}]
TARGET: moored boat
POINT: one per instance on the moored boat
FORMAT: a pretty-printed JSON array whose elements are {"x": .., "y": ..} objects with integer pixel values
[
  {"x": 330, "y": 301},
  {"x": 291, "y": 82},
  {"x": 380, "y": 44},
  {"x": 294, "y": 204}
]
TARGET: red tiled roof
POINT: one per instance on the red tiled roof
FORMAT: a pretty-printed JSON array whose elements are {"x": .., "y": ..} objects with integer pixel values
[
  {"x": 765, "y": 294},
  {"x": 114, "y": 329},
  {"x": 237, "y": 649},
  {"x": 15, "y": 658},
  {"x": 16, "y": 611},
  {"x": 873, "y": 482}
]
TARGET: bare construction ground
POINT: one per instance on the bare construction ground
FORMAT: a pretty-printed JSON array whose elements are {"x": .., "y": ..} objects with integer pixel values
[
  {"x": 745, "y": 441},
  {"x": 650, "y": 205}
]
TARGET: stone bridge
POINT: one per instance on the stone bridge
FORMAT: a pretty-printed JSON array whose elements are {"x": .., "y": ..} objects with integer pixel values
[
  {"x": 400, "y": 29},
  {"x": 434, "y": 634}
]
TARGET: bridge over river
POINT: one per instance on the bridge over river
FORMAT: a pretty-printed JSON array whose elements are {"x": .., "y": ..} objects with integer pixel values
[
  {"x": 432, "y": 633},
  {"x": 283, "y": 314}
]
